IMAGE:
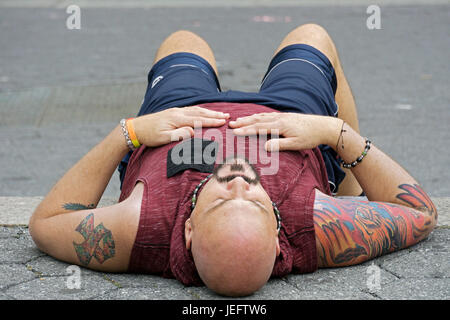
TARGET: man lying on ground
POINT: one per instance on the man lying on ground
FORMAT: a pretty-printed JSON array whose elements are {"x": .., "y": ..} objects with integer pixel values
[{"x": 208, "y": 211}]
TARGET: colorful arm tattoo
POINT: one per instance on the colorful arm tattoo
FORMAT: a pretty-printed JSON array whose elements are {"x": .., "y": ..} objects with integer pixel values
[
  {"x": 352, "y": 231},
  {"x": 93, "y": 237}
]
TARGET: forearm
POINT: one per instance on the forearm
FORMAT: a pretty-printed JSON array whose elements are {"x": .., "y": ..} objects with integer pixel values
[
  {"x": 398, "y": 215},
  {"x": 351, "y": 230},
  {"x": 86, "y": 181}
]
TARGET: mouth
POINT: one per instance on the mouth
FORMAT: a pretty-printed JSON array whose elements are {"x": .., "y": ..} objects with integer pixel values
[{"x": 233, "y": 176}]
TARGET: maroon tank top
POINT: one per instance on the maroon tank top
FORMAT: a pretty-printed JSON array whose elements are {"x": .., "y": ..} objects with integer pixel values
[{"x": 160, "y": 247}]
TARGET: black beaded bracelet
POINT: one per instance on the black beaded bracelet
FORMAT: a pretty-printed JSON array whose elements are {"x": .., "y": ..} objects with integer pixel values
[{"x": 359, "y": 159}]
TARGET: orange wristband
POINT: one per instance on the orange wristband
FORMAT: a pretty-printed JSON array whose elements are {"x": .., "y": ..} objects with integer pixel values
[{"x": 132, "y": 134}]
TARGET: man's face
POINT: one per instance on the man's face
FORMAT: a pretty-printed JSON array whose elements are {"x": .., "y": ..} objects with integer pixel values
[
  {"x": 232, "y": 231},
  {"x": 235, "y": 184}
]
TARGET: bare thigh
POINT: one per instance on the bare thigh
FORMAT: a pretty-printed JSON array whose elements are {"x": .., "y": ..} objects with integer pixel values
[{"x": 186, "y": 41}]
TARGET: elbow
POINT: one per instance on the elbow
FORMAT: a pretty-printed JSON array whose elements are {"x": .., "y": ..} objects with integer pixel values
[
  {"x": 431, "y": 218},
  {"x": 432, "y": 215},
  {"x": 32, "y": 224},
  {"x": 34, "y": 228},
  {"x": 434, "y": 218}
]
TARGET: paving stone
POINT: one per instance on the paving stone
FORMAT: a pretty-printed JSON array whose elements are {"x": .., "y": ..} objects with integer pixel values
[
  {"x": 17, "y": 211},
  {"x": 285, "y": 290},
  {"x": 443, "y": 208},
  {"x": 143, "y": 293},
  {"x": 275, "y": 289},
  {"x": 418, "y": 289},
  {"x": 203, "y": 293},
  {"x": 48, "y": 266},
  {"x": 429, "y": 258},
  {"x": 351, "y": 281},
  {"x": 437, "y": 241},
  {"x": 11, "y": 274},
  {"x": 5, "y": 297},
  {"x": 16, "y": 231},
  {"x": 421, "y": 264},
  {"x": 131, "y": 280},
  {"x": 337, "y": 294},
  {"x": 56, "y": 288},
  {"x": 18, "y": 250}
]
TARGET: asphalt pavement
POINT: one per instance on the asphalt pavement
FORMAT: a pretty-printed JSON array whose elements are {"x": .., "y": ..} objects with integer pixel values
[{"x": 77, "y": 84}]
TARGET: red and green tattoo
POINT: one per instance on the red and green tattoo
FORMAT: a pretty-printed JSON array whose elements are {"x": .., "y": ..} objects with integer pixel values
[
  {"x": 99, "y": 242},
  {"x": 351, "y": 231}
]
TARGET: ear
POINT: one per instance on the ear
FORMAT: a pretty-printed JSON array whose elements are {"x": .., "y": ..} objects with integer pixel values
[
  {"x": 188, "y": 233},
  {"x": 278, "y": 247}
]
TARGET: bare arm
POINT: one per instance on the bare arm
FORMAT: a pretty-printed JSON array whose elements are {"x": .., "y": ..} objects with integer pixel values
[
  {"x": 398, "y": 214},
  {"x": 106, "y": 233},
  {"x": 89, "y": 236},
  {"x": 350, "y": 231}
]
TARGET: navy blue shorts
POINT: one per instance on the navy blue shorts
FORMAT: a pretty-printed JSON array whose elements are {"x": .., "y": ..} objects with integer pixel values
[{"x": 300, "y": 79}]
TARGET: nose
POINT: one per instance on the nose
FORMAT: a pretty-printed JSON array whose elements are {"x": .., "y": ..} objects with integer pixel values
[{"x": 238, "y": 186}]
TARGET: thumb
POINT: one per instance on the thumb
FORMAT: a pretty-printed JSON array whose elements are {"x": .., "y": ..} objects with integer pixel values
[{"x": 281, "y": 144}]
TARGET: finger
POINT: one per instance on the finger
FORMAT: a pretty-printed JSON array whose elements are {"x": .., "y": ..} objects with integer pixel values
[
  {"x": 202, "y": 122},
  {"x": 203, "y": 112},
  {"x": 282, "y": 144},
  {"x": 257, "y": 128},
  {"x": 259, "y": 117}
]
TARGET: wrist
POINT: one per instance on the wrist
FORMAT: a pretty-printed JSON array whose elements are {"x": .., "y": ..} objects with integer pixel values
[
  {"x": 349, "y": 145},
  {"x": 332, "y": 131},
  {"x": 129, "y": 134},
  {"x": 119, "y": 137},
  {"x": 132, "y": 133},
  {"x": 141, "y": 128}
]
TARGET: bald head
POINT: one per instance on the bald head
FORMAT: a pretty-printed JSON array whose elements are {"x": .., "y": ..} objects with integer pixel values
[
  {"x": 235, "y": 248},
  {"x": 232, "y": 232}
]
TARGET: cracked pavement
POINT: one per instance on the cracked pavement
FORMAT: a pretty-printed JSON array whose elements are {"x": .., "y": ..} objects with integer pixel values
[{"x": 27, "y": 273}]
